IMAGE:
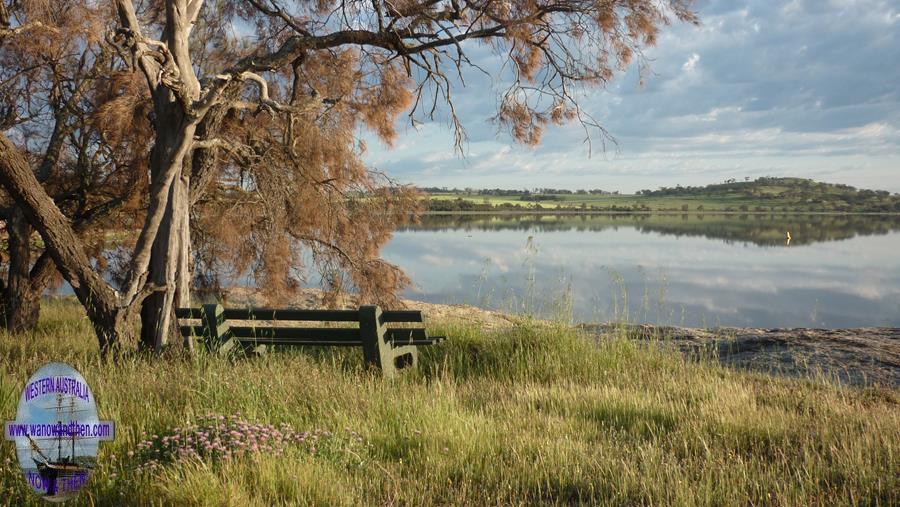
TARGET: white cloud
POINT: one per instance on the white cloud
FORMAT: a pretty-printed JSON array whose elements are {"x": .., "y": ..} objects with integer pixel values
[{"x": 691, "y": 63}]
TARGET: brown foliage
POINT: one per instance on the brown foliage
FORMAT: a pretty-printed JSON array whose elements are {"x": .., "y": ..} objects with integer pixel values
[
  {"x": 293, "y": 188},
  {"x": 297, "y": 195}
]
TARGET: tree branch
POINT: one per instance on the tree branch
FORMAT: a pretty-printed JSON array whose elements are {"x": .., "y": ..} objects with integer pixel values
[
  {"x": 134, "y": 41},
  {"x": 5, "y": 31}
]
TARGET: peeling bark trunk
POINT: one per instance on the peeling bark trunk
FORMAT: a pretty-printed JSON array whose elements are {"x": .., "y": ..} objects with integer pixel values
[
  {"x": 169, "y": 268},
  {"x": 182, "y": 212},
  {"x": 169, "y": 255}
]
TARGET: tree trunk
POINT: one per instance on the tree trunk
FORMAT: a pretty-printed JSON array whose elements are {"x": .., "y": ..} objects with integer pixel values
[
  {"x": 182, "y": 211},
  {"x": 169, "y": 268},
  {"x": 170, "y": 254},
  {"x": 175, "y": 125},
  {"x": 22, "y": 303},
  {"x": 109, "y": 318}
]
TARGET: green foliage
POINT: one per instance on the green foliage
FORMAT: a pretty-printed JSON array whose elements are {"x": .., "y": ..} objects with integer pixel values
[{"x": 538, "y": 414}]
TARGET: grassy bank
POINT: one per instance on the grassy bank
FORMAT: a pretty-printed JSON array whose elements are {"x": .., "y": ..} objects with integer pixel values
[{"x": 535, "y": 414}]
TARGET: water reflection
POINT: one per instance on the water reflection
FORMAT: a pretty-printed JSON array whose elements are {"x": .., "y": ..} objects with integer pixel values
[
  {"x": 759, "y": 229},
  {"x": 735, "y": 270}
]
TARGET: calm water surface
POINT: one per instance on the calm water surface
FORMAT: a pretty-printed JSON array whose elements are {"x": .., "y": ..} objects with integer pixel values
[{"x": 837, "y": 271}]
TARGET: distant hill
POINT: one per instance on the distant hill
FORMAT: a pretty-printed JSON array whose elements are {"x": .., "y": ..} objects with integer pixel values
[{"x": 761, "y": 195}]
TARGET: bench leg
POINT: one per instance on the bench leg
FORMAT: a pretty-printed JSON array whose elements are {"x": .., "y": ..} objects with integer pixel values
[
  {"x": 217, "y": 332},
  {"x": 377, "y": 352},
  {"x": 406, "y": 356}
]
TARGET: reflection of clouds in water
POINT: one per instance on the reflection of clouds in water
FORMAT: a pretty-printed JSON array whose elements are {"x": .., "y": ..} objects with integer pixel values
[
  {"x": 866, "y": 288},
  {"x": 497, "y": 262},
  {"x": 438, "y": 261},
  {"x": 849, "y": 282},
  {"x": 754, "y": 284},
  {"x": 712, "y": 305}
]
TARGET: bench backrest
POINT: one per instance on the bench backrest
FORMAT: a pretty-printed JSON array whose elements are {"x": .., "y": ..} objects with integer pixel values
[{"x": 215, "y": 328}]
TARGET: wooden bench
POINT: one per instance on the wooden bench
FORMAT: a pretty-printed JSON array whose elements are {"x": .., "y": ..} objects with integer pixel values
[{"x": 386, "y": 348}]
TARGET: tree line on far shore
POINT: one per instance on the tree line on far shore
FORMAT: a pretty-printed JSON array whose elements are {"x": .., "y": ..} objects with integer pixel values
[{"x": 765, "y": 194}]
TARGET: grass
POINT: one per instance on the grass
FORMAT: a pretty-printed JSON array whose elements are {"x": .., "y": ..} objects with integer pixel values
[{"x": 533, "y": 415}]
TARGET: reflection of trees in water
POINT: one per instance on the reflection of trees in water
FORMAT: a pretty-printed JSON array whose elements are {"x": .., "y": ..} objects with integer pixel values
[{"x": 758, "y": 229}]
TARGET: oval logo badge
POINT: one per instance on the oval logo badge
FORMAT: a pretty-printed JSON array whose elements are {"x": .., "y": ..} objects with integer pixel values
[{"x": 57, "y": 431}]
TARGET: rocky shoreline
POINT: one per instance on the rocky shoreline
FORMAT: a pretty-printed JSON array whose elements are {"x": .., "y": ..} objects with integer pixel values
[{"x": 858, "y": 356}]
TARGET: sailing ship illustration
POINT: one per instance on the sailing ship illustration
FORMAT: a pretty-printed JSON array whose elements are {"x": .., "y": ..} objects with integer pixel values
[{"x": 67, "y": 462}]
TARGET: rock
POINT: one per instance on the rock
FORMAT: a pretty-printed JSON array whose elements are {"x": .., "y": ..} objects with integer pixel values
[{"x": 859, "y": 356}]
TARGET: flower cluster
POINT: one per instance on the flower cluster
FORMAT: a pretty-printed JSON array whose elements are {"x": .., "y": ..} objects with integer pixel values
[{"x": 216, "y": 437}]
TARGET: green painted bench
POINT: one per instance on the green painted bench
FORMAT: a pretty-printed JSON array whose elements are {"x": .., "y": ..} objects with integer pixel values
[{"x": 225, "y": 329}]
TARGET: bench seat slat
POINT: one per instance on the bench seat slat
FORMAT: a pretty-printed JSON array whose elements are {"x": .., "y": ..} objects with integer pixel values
[
  {"x": 310, "y": 334},
  {"x": 426, "y": 341},
  {"x": 405, "y": 334}
]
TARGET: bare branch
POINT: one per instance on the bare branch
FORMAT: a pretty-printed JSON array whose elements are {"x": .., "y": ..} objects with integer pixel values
[
  {"x": 32, "y": 25},
  {"x": 193, "y": 11},
  {"x": 131, "y": 38}
]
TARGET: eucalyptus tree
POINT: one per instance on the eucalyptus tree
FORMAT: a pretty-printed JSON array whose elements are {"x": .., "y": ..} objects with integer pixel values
[{"x": 256, "y": 109}]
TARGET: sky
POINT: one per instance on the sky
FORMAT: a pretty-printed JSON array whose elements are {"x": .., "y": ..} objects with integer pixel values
[{"x": 805, "y": 88}]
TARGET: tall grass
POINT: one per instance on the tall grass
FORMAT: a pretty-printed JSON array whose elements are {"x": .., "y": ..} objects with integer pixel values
[{"x": 537, "y": 414}]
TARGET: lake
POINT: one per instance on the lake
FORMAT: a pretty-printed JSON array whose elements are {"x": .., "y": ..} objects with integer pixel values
[{"x": 692, "y": 270}]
